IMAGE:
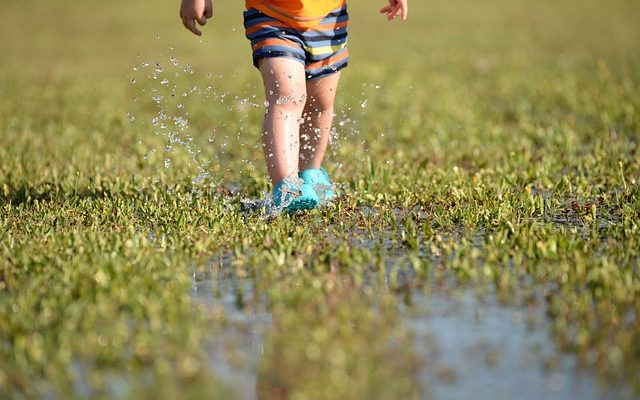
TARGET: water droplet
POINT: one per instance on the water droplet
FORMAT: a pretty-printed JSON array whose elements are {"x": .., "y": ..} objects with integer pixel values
[
  {"x": 364, "y": 103},
  {"x": 167, "y": 163},
  {"x": 181, "y": 122},
  {"x": 201, "y": 177},
  {"x": 133, "y": 80}
]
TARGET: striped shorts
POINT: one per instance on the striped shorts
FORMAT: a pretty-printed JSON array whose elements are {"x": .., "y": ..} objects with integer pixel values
[{"x": 322, "y": 49}]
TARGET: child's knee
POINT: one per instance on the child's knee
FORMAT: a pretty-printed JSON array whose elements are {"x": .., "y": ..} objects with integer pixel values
[
  {"x": 319, "y": 105},
  {"x": 287, "y": 101}
]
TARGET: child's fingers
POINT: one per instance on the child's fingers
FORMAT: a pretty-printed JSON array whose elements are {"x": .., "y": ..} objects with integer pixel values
[
  {"x": 202, "y": 20},
  {"x": 405, "y": 11},
  {"x": 208, "y": 9},
  {"x": 393, "y": 13},
  {"x": 190, "y": 24}
]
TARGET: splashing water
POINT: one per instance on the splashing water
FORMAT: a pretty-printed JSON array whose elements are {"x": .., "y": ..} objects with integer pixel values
[
  {"x": 171, "y": 119},
  {"x": 177, "y": 94}
]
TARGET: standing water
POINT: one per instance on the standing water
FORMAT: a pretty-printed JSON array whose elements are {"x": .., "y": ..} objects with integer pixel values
[{"x": 469, "y": 347}]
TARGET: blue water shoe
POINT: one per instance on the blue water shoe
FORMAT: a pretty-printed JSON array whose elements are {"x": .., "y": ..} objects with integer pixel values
[
  {"x": 294, "y": 195},
  {"x": 318, "y": 179}
]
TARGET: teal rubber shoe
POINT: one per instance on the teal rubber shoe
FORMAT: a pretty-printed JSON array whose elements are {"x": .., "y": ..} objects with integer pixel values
[
  {"x": 318, "y": 179},
  {"x": 294, "y": 195}
]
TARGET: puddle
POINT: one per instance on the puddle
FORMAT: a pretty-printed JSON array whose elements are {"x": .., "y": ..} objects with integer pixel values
[
  {"x": 483, "y": 350},
  {"x": 469, "y": 347},
  {"x": 235, "y": 350}
]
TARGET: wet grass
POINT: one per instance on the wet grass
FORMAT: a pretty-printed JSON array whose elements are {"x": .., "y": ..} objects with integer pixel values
[{"x": 495, "y": 152}]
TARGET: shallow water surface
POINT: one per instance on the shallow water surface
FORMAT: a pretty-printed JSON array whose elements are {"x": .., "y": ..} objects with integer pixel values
[
  {"x": 234, "y": 354},
  {"x": 484, "y": 350},
  {"x": 468, "y": 346}
]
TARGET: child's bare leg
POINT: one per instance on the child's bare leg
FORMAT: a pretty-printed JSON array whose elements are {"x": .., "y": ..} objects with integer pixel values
[
  {"x": 285, "y": 91},
  {"x": 318, "y": 117}
]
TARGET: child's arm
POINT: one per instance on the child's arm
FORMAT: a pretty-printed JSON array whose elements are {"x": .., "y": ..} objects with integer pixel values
[
  {"x": 192, "y": 11},
  {"x": 394, "y": 8}
]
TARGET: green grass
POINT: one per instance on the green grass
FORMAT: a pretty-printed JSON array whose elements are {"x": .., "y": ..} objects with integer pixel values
[{"x": 497, "y": 148}]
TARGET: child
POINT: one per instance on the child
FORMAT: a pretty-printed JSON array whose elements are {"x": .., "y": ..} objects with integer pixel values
[{"x": 299, "y": 46}]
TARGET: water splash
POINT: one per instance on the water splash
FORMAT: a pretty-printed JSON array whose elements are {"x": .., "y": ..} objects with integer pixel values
[
  {"x": 171, "y": 96},
  {"x": 171, "y": 119}
]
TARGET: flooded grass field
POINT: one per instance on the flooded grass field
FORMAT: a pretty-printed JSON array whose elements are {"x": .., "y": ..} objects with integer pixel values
[{"x": 485, "y": 243}]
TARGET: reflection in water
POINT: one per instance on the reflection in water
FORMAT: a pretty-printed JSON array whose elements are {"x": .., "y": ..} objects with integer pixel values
[
  {"x": 234, "y": 353},
  {"x": 484, "y": 350},
  {"x": 468, "y": 347}
]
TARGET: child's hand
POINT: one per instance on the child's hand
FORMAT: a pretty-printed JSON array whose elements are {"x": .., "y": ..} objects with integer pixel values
[
  {"x": 192, "y": 11},
  {"x": 394, "y": 8}
]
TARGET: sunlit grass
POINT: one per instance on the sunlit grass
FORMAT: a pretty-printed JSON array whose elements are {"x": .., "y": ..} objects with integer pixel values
[{"x": 490, "y": 144}]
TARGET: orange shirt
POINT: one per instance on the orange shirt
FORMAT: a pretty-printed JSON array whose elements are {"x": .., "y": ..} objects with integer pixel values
[{"x": 300, "y": 14}]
